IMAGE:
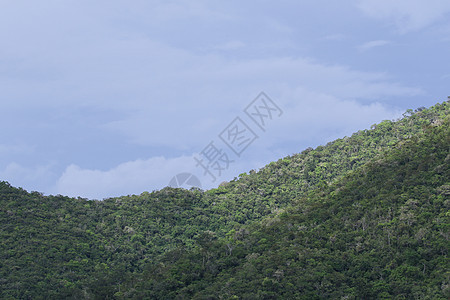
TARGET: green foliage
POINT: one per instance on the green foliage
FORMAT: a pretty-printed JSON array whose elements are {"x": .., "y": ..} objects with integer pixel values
[{"x": 363, "y": 217}]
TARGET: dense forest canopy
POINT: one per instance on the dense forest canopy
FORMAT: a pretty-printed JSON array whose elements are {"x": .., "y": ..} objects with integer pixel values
[{"x": 363, "y": 217}]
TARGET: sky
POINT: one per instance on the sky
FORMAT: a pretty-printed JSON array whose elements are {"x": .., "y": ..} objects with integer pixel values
[{"x": 109, "y": 98}]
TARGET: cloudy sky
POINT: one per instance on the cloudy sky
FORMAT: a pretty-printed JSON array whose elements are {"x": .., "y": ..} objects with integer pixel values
[{"x": 108, "y": 98}]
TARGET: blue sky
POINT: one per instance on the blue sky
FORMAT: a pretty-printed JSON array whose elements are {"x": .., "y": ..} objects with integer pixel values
[{"x": 109, "y": 98}]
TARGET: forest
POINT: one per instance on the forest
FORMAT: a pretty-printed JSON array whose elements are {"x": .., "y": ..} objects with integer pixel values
[{"x": 362, "y": 217}]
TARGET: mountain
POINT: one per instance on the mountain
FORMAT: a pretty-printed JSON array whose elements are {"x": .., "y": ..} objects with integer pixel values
[{"x": 362, "y": 217}]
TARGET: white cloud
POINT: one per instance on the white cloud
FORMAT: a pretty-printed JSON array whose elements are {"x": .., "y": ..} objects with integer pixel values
[
  {"x": 407, "y": 15},
  {"x": 372, "y": 44},
  {"x": 127, "y": 178},
  {"x": 309, "y": 119}
]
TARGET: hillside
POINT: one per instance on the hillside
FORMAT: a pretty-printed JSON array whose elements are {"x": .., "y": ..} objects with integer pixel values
[
  {"x": 365, "y": 216},
  {"x": 380, "y": 232}
]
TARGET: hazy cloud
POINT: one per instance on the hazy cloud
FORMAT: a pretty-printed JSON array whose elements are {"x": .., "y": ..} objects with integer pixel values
[
  {"x": 108, "y": 89},
  {"x": 127, "y": 178},
  {"x": 407, "y": 15},
  {"x": 231, "y": 45},
  {"x": 372, "y": 44},
  {"x": 334, "y": 37},
  {"x": 32, "y": 178}
]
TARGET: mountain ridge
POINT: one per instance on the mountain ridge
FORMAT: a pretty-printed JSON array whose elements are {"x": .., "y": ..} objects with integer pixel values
[{"x": 56, "y": 246}]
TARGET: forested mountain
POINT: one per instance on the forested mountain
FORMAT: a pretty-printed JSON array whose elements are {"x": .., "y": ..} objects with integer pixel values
[{"x": 363, "y": 217}]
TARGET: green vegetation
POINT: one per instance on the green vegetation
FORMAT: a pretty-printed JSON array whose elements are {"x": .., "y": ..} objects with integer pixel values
[{"x": 364, "y": 217}]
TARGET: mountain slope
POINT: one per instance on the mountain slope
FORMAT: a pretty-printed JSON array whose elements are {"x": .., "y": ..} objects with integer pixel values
[
  {"x": 57, "y": 247},
  {"x": 380, "y": 232}
]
